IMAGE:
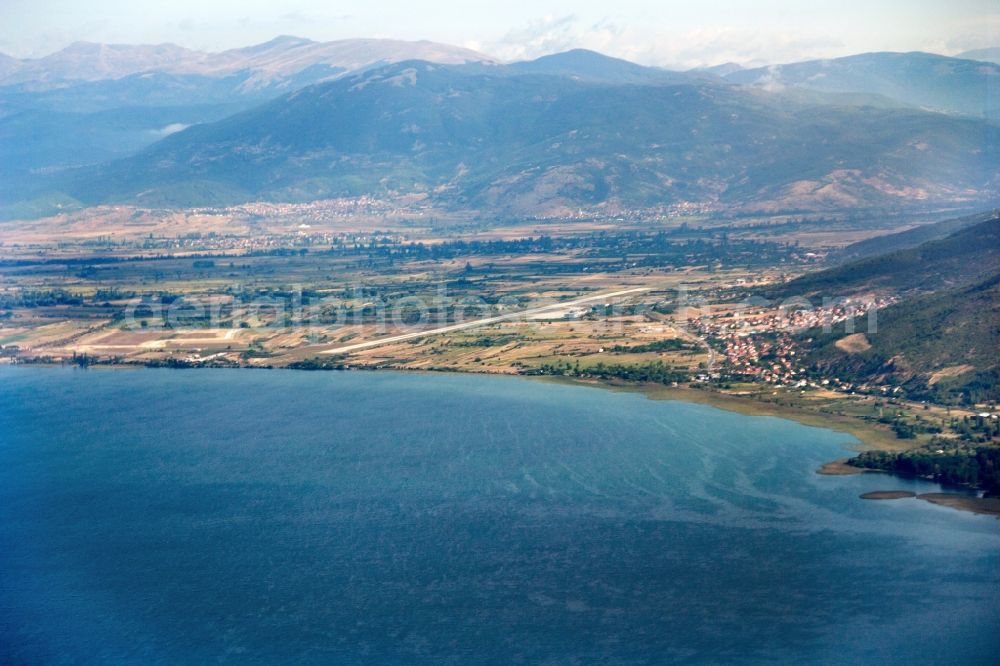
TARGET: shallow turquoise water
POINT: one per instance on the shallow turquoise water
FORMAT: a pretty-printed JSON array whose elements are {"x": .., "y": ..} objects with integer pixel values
[{"x": 159, "y": 516}]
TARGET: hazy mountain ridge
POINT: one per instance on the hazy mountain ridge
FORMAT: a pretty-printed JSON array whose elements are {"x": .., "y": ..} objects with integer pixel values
[
  {"x": 44, "y": 140},
  {"x": 543, "y": 137},
  {"x": 590, "y": 66},
  {"x": 911, "y": 237},
  {"x": 79, "y": 106},
  {"x": 281, "y": 57},
  {"x": 542, "y": 144},
  {"x": 991, "y": 54},
  {"x": 152, "y": 89},
  {"x": 89, "y": 61},
  {"x": 926, "y": 80}
]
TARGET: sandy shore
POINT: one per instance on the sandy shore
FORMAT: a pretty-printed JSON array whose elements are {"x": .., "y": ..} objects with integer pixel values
[
  {"x": 841, "y": 468},
  {"x": 889, "y": 495},
  {"x": 988, "y": 506}
]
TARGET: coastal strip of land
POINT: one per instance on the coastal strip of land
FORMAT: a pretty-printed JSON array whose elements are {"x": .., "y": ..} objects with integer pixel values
[
  {"x": 987, "y": 506},
  {"x": 889, "y": 495},
  {"x": 840, "y": 468}
]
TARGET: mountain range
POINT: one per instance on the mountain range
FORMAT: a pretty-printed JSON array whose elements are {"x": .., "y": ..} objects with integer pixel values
[
  {"x": 294, "y": 120},
  {"x": 923, "y": 80},
  {"x": 281, "y": 58},
  {"x": 91, "y": 103},
  {"x": 991, "y": 54}
]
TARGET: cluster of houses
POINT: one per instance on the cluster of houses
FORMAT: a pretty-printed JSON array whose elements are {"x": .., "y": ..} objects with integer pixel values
[
  {"x": 759, "y": 344},
  {"x": 301, "y": 238},
  {"x": 324, "y": 210}
]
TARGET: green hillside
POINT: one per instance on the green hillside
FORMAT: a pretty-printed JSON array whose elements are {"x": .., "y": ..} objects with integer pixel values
[
  {"x": 968, "y": 255},
  {"x": 942, "y": 341},
  {"x": 911, "y": 237},
  {"x": 943, "y": 347}
]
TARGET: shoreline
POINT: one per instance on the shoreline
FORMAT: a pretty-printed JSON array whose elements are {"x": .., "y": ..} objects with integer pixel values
[
  {"x": 983, "y": 506},
  {"x": 841, "y": 468},
  {"x": 869, "y": 437},
  {"x": 883, "y": 495}
]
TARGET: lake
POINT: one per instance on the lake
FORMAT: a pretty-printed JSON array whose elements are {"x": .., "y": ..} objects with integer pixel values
[{"x": 237, "y": 516}]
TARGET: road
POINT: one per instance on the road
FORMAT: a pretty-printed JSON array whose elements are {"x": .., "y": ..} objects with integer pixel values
[
  {"x": 688, "y": 335},
  {"x": 482, "y": 322},
  {"x": 712, "y": 355}
]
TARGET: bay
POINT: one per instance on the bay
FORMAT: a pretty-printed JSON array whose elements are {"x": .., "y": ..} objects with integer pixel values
[{"x": 164, "y": 516}]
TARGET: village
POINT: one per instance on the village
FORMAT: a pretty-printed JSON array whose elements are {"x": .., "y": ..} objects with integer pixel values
[{"x": 760, "y": 344}]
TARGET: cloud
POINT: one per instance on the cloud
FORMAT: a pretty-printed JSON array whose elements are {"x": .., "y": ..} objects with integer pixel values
[
  {"x": 675, "y": 50},
  {"x": 172, "y": 128},
  {"x": 547, "y": 35},
  {"x": 707, "y": 47},
  {"x": 296, "y": 16},
  {"x": 983, "y": 33}
]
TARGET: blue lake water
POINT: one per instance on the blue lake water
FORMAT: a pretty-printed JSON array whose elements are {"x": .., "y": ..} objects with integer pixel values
[{"x": 180, "y": 517}]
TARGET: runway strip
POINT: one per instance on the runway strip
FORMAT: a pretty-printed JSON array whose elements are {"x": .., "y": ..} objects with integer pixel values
[{"x": 482, "y": 322}]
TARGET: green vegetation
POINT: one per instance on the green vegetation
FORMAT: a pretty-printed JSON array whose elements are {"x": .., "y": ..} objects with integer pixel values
[
  {"x": 968, "y": 255},
  {"x": 920, "y": 337},
  {"x": 611, "y": 250},
  {"x": 34, "y": 298},
  {"x": 671, "y": 344},
  {"x": 655, "y": 372},
  {"x": 941, "y": 461},
  {"x": 487, "y": 341},
  {"x": 317, "y": 363}
]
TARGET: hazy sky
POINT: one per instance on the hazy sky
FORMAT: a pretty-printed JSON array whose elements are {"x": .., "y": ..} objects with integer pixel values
[{"x": 689, "y": 33}]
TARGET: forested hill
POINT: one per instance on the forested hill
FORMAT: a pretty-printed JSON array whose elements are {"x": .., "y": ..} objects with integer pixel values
[
  {"x": 911, "y": 237},
  {"x": 943, "y": 346},
  {"x": 970, "y": 254}
]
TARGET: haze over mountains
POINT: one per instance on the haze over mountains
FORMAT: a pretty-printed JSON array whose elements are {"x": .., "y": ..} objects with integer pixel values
[
  {"x": 294, "y": 120},
  {"x": 281, "y": 57},
  {"x": 90, "y": 103},
  {"x": 924, "y": 80},
  {"x": 991, "y": 54},
  {"x": 87, "y": 77}
]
